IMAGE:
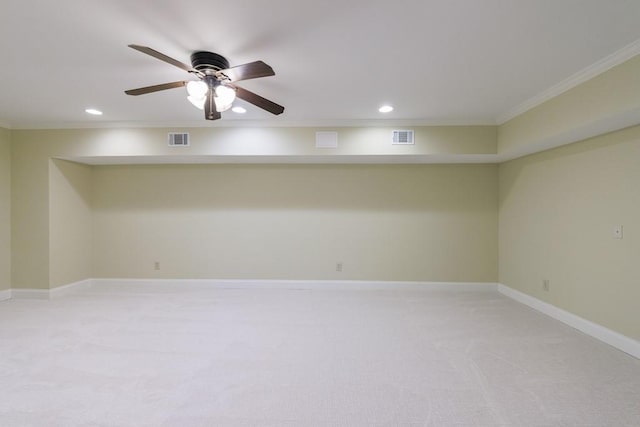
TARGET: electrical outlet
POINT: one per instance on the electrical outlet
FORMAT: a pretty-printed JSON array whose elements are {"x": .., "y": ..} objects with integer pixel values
[
  {"x": 156, "y": 265},
  {"x": 338, "y": 266},
  {"x": 545, "y": 285}
]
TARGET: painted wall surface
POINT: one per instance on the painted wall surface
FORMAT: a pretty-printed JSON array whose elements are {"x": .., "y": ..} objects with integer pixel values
[
  {"x": 557, "y": 214},
  {"x": 30, "y": 215},
  {"x": 31, "y": 151},
  {"x": 5, "y": 209},
  {"x": 70, "y": 220},
  {"x": 239, "y": 142},
  {"x": 605, "y": 103},
  {"x": 427, "y": 222}
]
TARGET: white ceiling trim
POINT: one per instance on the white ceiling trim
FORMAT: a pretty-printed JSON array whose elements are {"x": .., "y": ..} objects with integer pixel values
[{"x": 576, "y": 79}]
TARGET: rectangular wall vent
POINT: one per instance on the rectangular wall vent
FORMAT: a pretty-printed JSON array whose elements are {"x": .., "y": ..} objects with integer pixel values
[
  {"x": 178, "y": 139},
  {"x": 326, "y": 139},
  {"x": 402, "y": 137}
]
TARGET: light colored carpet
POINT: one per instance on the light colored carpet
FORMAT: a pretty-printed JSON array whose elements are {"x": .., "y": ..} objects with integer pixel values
[{"x": 169, "y": 355}]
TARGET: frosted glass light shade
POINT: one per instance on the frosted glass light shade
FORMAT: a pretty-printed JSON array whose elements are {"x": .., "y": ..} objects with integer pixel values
[
  {"x": 197, "y": 93},
  {"x": 197, "y": 102},
  {"x": 224, "y": 97},
  {"x": 197, "y": 89}
]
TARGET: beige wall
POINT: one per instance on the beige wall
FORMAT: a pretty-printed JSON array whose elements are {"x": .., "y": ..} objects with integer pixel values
[
  {"x": 430, "y": 222},
  {"x": 70, "y": 218},
  {"x": 30, "y": 214},
  {"x": 31, "y": 151},
  {"x": 244, "y": 142},
  {"x": 5, "y": 210},
  {"x": 557, "y": 213},
  {"x": 605, "y": 103}
]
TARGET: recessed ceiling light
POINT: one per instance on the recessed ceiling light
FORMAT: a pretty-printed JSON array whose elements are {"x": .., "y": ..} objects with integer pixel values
[
  {"x": 239, "y": 110},
  {"x": 93, "y": 111},
  {"x": 385, "y": 109}
]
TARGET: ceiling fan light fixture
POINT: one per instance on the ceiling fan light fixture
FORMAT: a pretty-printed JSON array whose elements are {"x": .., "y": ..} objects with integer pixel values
[
  {"x": 224, "y": 97},
  {"x": 197, "y": 88},
  {"x": 385, "y": 109},
  {"x": 197, "y": 102}
]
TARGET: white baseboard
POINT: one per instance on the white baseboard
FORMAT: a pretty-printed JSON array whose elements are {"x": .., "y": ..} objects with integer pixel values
[
  {"x": 305, "y": 284},
  {"x": 57, "y": 292},
  {"x": 615, "y": 339},
  {"x": 5, "y": 295}
]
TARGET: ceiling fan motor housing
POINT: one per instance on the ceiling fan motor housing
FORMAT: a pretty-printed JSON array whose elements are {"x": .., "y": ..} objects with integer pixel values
[{"x": 208, "y": 62}]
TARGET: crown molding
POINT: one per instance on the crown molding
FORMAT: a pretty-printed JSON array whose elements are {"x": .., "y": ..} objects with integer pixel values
[{"x": 595, "y": 69}]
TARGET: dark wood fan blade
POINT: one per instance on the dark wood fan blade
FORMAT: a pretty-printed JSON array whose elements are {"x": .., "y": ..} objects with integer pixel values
[
  {"x": 259, "y": 101},
  {"x": 155, "y": 88},
  {"x": 210, "y": 112},
  {"x": 162, "y": 57},
  {"x": 252, "y": 70}
]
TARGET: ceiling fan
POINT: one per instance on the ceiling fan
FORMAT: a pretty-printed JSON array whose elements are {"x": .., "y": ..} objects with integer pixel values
[{"x": 215, "y": 90}]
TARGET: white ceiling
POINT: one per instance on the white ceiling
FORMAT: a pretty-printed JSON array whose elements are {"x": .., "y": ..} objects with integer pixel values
[{"x": 436, "y": 61}]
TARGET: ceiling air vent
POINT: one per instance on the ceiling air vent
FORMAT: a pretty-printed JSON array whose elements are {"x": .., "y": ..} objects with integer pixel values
[
  {"x": 178, "y": 139},
  {"x": 402, "y": 137}
]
